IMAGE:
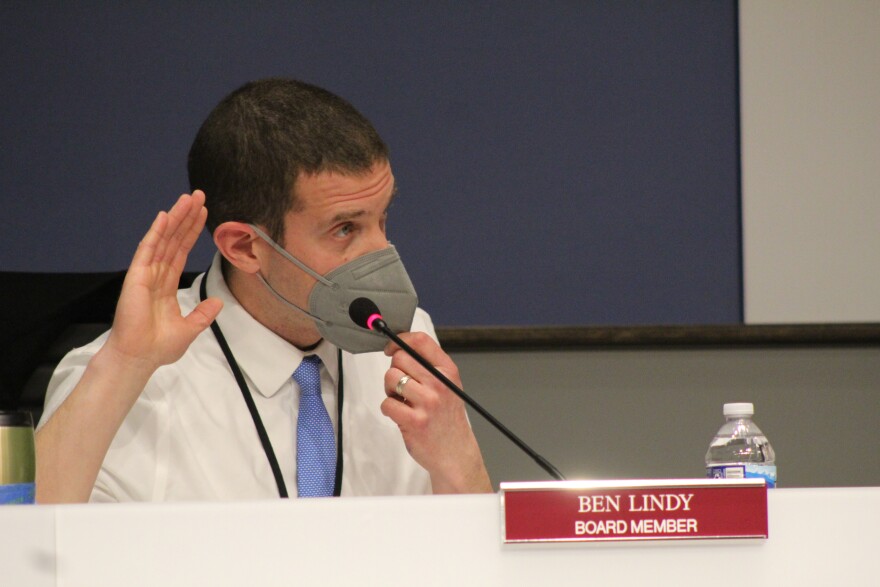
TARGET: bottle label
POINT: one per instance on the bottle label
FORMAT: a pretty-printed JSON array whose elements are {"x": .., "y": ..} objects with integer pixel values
[
  {"x": 744, "y": 471},
  {"x": 17, "y": 493}
]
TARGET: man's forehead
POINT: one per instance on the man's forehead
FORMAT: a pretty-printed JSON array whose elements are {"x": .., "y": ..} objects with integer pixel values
[
  {"x": 358, "y": 212},
  {"x": 332, "y": 187}
]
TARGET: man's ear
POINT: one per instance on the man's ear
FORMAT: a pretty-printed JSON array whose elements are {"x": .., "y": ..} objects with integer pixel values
[{"x": 239, "y": 244}]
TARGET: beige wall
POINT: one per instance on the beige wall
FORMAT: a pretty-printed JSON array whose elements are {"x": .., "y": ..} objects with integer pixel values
[
  {"x": 810, "y": 110},
  {"x": 651, "y": 414}
]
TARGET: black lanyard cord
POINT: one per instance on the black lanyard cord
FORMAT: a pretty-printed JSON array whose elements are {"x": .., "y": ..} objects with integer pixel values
[
  {"x": 255, "y": 414},
  {"x": 337, "y": 485}
]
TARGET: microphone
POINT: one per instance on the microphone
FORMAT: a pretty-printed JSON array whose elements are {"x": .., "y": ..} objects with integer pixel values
[{"x": 365, "y": 313}]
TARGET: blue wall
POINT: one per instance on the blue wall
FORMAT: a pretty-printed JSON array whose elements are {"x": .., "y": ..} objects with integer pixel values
[{"x": 561, "y": 163}]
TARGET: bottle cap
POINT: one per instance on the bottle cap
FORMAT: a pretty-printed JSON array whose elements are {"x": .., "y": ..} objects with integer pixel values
[
  {"x": 16, "y": 418},
  {"x": 741, "y": 409}
]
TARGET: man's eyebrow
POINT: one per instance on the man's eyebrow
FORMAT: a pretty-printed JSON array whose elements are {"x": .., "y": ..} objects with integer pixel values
[{"x": 345, "y": 216}]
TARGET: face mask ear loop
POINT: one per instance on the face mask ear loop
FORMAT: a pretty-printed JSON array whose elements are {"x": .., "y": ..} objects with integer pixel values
[
  {"x": 287, "y": 303},
  {"x": 293, "y": 260}
]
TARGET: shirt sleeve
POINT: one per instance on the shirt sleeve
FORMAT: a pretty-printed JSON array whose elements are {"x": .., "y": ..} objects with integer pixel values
[
  {"x": 422, "y": 323},
  {"x": 135, "y": 467}
]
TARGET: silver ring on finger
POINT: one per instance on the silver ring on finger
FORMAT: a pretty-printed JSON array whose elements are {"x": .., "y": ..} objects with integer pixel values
[{"x": 401, "y": 383}]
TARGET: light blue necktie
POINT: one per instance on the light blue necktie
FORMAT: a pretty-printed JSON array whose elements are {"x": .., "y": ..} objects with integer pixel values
[{"x": 315, "y": 441}]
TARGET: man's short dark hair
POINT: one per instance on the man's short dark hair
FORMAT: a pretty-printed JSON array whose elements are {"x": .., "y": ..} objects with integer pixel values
[{"x": 253, "y": 146}]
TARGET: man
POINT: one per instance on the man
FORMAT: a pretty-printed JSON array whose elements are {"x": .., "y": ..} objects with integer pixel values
[{"x": 297, "y": 186}]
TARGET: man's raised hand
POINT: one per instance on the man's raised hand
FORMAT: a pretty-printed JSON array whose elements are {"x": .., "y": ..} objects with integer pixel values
[{"x": 149, "y": 329}]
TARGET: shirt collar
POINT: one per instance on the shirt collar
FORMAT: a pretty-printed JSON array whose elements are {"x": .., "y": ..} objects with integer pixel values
[{"x": 267, "y": 359}]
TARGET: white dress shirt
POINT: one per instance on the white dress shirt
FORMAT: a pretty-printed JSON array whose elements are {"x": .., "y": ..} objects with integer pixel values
[{"x": 190, "y": 436}]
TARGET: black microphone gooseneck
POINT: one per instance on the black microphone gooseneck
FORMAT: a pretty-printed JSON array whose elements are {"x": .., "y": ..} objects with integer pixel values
[{"x": 365, "y": 313}]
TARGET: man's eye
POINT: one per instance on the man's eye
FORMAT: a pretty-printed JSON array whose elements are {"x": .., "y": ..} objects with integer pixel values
[{"x": 344, "y": 230}]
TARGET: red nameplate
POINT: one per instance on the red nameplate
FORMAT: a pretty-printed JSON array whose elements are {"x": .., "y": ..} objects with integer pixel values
[{"x": 566, "y": 511}]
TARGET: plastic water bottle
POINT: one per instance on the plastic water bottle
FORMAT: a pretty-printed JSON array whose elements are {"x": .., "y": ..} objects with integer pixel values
[{"x": 739, "y": 449}]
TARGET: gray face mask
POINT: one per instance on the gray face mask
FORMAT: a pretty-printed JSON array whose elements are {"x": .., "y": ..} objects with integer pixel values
[{"x": 379, "y": 276}]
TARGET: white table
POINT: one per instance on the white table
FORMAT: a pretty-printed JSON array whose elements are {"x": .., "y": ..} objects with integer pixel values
[{"x": 817, "y": 537}]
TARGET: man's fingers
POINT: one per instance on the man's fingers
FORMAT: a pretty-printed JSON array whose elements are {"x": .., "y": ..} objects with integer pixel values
[
  {"x": 190, "y": 215},
  {"x": 393, "y": 378},
  {"x": 170, "y": 239},
  {"x": 406, "y": 364},
  {"x": 425, "y": 346},
  {"x": 176, "y": 215},
  {"x": 191, "y": 224},
  {"x": 188, "y": 240},
  {"x": 147, "y": 247},
  {"x": 399, "y": 413}
]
